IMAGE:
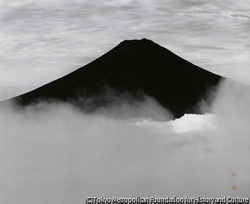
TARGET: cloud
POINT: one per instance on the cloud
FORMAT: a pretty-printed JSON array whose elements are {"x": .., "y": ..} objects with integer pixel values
[{"x": 53, "y": 153}]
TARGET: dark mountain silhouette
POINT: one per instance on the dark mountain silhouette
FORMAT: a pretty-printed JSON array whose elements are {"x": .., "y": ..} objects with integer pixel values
[{"x": 134, "y": 67}]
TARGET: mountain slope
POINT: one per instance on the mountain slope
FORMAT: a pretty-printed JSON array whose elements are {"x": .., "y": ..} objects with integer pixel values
[{"x": 136, "y": 67}]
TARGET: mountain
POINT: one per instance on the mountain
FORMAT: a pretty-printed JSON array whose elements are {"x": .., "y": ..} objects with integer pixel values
[{"x": 135, "y": 68}]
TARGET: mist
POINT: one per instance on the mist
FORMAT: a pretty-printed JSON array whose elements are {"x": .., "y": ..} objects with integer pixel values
[{"x": 54, "y": 153}]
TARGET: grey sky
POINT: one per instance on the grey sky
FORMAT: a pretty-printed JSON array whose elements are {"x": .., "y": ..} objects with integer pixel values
[{"x": 43, "y": 40}]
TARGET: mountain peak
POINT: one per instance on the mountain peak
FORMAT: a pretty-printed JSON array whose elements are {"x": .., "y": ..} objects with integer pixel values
[
  {"x": 141, "y": 47},
  {"x": 138, "y": 42},
  {"x": 142, "y": 43},
  {"x": 133, "y": 67}
]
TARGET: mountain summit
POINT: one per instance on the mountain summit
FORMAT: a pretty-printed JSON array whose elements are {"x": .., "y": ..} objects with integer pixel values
[{"x": 136, "y": 67}]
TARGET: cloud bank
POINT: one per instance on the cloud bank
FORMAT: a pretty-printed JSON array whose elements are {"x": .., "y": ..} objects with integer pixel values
[{"x": 53, "y": 153}]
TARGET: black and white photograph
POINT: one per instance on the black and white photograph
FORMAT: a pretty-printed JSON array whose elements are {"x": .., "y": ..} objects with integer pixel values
[{"x": 124, "y": 101}]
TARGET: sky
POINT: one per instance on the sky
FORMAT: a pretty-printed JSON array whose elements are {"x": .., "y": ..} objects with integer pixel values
[{"x": 44, "y": 40}]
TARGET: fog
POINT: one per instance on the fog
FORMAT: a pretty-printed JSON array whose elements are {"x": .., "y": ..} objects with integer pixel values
[{"x": 53, "y": 153}]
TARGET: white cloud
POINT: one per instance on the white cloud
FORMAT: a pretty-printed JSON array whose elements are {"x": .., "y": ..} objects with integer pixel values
[{"x": 55, "y": 154}]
